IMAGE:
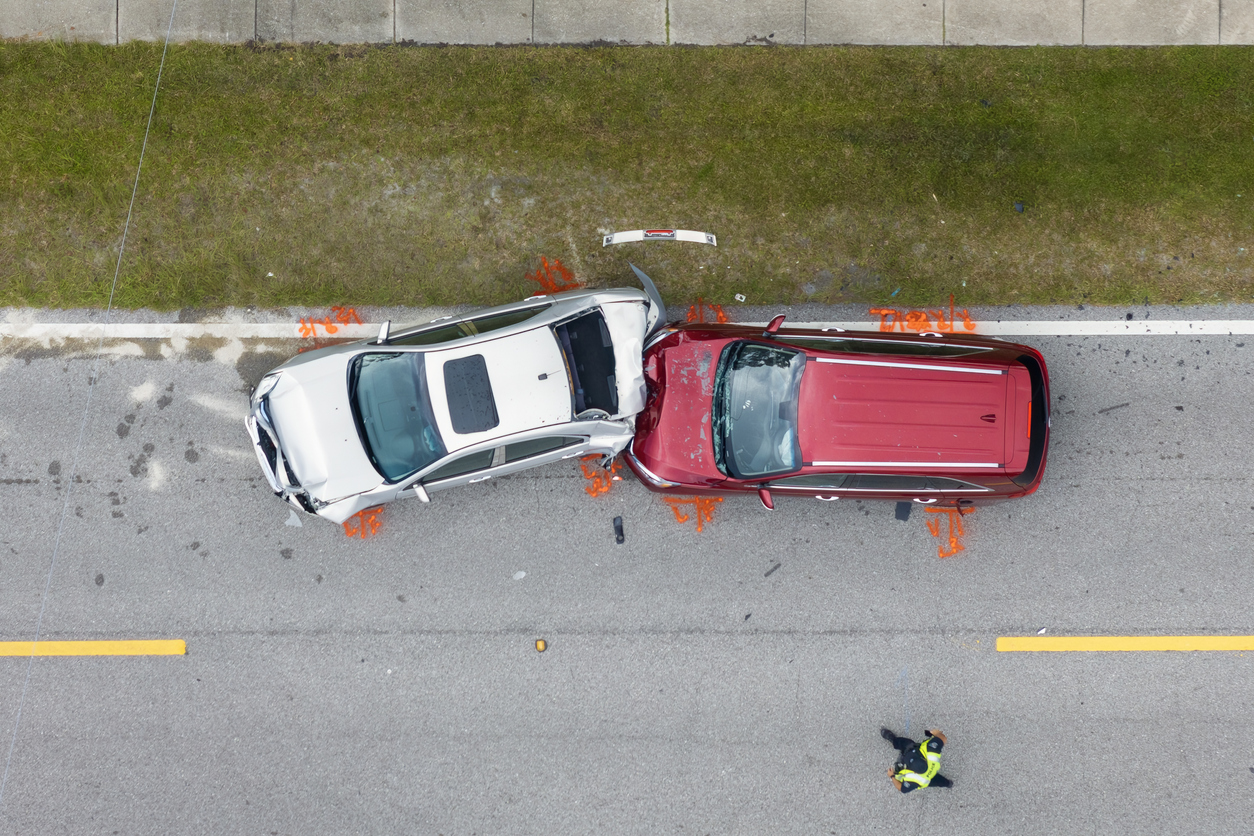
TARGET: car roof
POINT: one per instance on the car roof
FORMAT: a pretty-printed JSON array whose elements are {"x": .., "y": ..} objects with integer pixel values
[
  {"x": 858, "y": 413},
  {"x": 528, "y": 383}
]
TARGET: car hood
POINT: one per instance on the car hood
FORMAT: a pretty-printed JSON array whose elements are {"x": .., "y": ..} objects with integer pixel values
[
  {"x": 311, "y": 415},
  {"x": 675, "y": 439},
  {"x": 878, "y": 413},
  {"x": 627, "y": 322}
]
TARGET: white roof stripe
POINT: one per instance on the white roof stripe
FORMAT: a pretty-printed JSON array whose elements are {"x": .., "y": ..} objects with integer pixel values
[{"x": 891, "y": 365}]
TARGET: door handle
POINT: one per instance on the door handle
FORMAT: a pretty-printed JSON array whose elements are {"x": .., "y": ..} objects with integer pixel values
[
  {"x": 827, "y": 498},
  {"x": 926, "y": 501},
  {"x": 485, "y": 478}
]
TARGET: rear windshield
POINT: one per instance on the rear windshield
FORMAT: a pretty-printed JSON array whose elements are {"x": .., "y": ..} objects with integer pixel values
[
  {"x": 589, "y": 352},
  {"x": 388, "y": 393},
  {"x": 756, "y": 390}
]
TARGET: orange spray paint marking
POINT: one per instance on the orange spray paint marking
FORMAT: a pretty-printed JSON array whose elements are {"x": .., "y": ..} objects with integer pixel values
[
  {"x": 703, "y": 505},
  {"x": 309, "y": 327},
  {"x": 955, "y": 533},
  {"x": 368, "y": 523},
  {"x": 346, "y": 316},
  {"x": 601, "y": 477},
  {"x": 893, "y": 319},
  {"x": 699, "y": 312},
  {"x": 554, "y": 278}
]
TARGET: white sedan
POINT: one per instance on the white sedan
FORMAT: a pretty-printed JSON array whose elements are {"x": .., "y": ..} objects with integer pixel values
[{"x": 455, "y": 401}]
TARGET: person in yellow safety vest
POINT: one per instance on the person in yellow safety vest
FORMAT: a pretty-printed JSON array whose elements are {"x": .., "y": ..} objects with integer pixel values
[{"x": 918, "y": 765}]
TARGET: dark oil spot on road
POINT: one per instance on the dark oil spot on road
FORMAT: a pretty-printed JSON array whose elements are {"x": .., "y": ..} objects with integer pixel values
[
  {"x": 286, "y": 553},
  {"x": 78, "y": 510},
  {"x": 195, "y": 545},
  {"x": 140, "y": 467},
  {"x": 252, "y": 367},
  {"x": 99, "y": 579},
  {"x": 39, "y": 353},
  {"x": 54, "y": 469},
  {"x": 117, "y": 515},
  {"x": 318, "y": 579},
  {"x": 148, "y": 448},
  {"x": 164, "y": 401},
  {"x": 401, "y": 598},
  {"x": 130, "y": 419},
  {"x": 123, "y": 430},
  {"x": 191, "y": 455}
]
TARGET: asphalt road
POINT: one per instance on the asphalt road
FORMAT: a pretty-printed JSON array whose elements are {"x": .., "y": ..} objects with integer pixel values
[{"x": 691, "y": 685}]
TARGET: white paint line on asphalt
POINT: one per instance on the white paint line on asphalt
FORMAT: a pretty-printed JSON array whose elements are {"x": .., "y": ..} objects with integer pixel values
[
  {"x": 1078, "y": 328},
  {"x": 44, "y": 331}
]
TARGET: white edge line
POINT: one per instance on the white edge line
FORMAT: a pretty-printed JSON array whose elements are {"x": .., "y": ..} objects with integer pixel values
[{"x": 293, "y": 331}]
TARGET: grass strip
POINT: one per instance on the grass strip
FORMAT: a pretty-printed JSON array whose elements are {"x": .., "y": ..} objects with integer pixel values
[{"x": 317, "y": 175}]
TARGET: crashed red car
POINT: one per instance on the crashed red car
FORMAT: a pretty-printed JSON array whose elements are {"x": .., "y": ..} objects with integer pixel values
[{"x": 946, "y": 420}]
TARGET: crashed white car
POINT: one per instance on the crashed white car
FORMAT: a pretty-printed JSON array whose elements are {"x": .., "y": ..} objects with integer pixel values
[{"x": 456, "y": 401}]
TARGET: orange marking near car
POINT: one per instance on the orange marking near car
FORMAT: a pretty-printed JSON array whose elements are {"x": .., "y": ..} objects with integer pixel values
[
  {"x": 346, "y": 316},
  {"x": 554, "y": 278},
  {"x": 954, "y": 535},
  {"x": 309, "y": 327},
  {"x": 703, "y": 506},
  {"x": 916, "y": 321},
  {"x": 699, "y": 311},
  {"x": 601, "y": 477},
  {"x": 368, "y": 523}
]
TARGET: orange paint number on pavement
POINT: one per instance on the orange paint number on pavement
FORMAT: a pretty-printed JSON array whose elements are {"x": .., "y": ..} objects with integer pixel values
[
  {"x": 915, "y": 321},
  {"x": 955, "y": 533},
  {"x": 703, "y": 506},
  {"x": 367, "y": 523}
]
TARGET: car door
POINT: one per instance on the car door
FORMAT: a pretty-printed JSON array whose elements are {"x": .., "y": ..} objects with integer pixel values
[
  {"x": 463, "y": 468},
  {"x": 895, "y": 486},
  {"x": 485, "y": 463},
  {"x": 533, "y": 452},
  {"x": 825, "y": 487}
]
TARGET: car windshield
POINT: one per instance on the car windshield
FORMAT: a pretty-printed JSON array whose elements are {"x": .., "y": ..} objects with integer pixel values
[
  {"x": 756, "y": 390},
  {"x": 388, "y": 392}
]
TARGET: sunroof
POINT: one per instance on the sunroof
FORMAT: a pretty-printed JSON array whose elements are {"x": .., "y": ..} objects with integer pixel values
[{"x": 471, "y": 407}]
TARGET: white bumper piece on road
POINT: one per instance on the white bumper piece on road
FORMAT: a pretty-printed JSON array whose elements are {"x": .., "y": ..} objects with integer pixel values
[{"x": 660, "y": 235}]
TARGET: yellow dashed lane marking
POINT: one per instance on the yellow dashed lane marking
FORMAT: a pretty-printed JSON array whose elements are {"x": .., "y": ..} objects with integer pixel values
[
  {"x": 135, "y": 647},
  {"x": 1107, "y": 643}
]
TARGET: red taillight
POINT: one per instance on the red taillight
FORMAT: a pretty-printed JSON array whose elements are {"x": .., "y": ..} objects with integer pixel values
[{"x": 1029, "y": 419}]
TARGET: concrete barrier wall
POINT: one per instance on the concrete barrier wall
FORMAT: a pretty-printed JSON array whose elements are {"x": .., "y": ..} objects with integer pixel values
[{"x": 934, "y": 22}]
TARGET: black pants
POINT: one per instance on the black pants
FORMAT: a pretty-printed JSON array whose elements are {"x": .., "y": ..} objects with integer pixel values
[{"x": 905, "y": 745}]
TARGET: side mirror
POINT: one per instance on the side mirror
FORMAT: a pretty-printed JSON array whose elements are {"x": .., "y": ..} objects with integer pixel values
[
  {"x": 774, "y": 326},
  {"x": 384, "y": 330},
  {"x": 765, "y": 495},
  {"x": 420, "y": 492},
  {"x": 658, "y": 307}
]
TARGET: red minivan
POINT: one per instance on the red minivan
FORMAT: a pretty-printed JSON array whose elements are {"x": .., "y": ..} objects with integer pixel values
[{"x": 937, "y": 419}]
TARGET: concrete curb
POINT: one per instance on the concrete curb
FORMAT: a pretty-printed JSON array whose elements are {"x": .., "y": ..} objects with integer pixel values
[{"x": 638, "y": 22}]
